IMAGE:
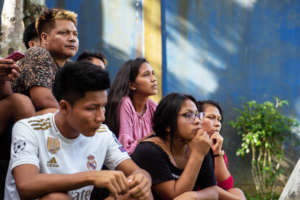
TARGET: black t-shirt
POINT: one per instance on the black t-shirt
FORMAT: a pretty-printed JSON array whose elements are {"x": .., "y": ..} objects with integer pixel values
[{"x": 155, "y": 160}]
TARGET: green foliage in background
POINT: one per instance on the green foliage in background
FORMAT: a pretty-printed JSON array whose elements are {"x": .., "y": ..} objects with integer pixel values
[{"x": 263, "y": 129}]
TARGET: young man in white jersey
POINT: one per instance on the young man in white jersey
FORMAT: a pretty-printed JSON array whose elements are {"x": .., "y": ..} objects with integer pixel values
[{"x": 60, "y": 155}]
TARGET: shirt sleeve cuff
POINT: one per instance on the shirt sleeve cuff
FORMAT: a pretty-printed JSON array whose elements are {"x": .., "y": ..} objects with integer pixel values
[{"x": 226, "y": 184}]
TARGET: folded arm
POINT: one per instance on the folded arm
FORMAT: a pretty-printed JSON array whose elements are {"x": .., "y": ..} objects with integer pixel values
[{"x": 32, "y": 184}]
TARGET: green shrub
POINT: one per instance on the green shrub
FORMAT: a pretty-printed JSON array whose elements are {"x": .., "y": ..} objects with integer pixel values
[{"x": 263, "y": 129}]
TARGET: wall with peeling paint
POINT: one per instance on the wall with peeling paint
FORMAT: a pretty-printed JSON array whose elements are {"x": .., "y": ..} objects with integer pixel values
[
  {"x": 227, "y": 50},
  {"x": 230, "y": 51},
  {"x": 234, "y": 51}
]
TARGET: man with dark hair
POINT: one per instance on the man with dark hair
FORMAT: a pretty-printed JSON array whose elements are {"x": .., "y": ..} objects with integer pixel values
[
  {"x": 60, "y": 155},
  {"x": 93, "y": 57},
  {"x": 59, "y": 38},
  {"x": 30, "y": 36}
]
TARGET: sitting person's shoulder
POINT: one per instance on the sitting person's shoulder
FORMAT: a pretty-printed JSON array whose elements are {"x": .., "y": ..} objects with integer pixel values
[
  {"x": 149, "y": 146},
  {"x": 152, "y": 102},
  {"x": 104, "y": 132},
  {"x": 103, "y": 129},
  {"x": 36, "y": 51},
  {"x": 152, "y": 105},
  {"x": 38, "y": 55},
  {"x": 38, "y": 123},
  {"x": 126, "y": 101},
  {"x": 127, "y": 105}
]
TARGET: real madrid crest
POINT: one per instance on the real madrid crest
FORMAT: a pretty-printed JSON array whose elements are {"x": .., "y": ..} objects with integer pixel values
[
  {"x": 53, "y": 145},
  {"x": 91, "y": 163}
]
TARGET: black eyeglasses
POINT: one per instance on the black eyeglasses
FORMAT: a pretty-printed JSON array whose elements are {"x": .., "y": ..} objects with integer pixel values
[{"x": 191, "y": 116}]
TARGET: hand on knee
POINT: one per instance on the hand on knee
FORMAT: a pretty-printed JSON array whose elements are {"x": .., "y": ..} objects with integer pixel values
[{"x": 238, "y": 192}]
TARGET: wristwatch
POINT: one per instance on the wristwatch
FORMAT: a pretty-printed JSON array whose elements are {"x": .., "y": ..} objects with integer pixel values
[{"x": 219, "y": 154}]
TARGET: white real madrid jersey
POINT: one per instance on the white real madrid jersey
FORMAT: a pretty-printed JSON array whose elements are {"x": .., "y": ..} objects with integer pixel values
[{"x": 37, "y": 141}]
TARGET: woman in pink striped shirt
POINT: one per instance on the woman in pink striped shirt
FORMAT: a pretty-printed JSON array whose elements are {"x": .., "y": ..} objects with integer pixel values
[{"x": 129, "y": 110}]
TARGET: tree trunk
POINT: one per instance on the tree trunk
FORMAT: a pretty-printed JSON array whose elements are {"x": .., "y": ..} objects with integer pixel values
[
  {"x": 17, "y": 14},
  {"x": 12, "y": 27},
  {"x": 32, "y": 9}
]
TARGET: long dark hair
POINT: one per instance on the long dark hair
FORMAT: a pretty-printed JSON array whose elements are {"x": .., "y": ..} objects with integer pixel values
[
  {"x": 166, "y": 114},
  {"x": 119, "y": 89}
]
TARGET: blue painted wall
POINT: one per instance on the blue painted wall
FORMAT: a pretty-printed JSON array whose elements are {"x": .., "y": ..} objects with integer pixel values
[
  {"x": 234, "y": 51},
  {"x": 227, "y": 50},
  {"x": 113, "y": 27},
  {"x": 230, "y": 51}
]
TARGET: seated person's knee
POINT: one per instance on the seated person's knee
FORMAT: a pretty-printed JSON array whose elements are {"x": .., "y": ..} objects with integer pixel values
[
  {"x": 56, "y": 196},
  {"x": 238, "y": 192},
  {"x": 17, "y": 98},
  {"x": 22, "y": 105}
]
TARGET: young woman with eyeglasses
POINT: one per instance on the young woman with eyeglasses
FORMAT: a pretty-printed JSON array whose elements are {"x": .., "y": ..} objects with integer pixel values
[
  {"x": 178, "y": 157},
  {"x": 212, "y": 124}
]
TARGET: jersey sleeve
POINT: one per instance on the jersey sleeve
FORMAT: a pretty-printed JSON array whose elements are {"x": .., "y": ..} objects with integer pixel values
[
  {"x": 115, "y": 154},
  {"x": 150, "y": 157},
  {"x": 24, "y": 148},
  {"x": 126, "y": 127}
]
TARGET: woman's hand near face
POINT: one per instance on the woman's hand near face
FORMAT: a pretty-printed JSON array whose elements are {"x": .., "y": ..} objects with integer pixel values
[
  {"x": 216, "y": 143},
  {"x": 201, "y": 143}
]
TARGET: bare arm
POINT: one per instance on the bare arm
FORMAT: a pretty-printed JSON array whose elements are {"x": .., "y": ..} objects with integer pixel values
[
  {"x": 199, "y": 147},
  {"x": 209, "y": 193},
  {"x": 221, "y": 171},
  {"x": 32, "y": 184},
  {"x": 42, "y": 98},
  {"x": 5, "y": 89},
  {"x": 138, "y": 179},
  {"x": 231, "y": 194},
  {"x": 186, "y": 181}
]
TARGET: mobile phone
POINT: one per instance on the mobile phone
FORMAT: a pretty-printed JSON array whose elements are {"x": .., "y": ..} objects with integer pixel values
[{"x": 16, "y": 55}]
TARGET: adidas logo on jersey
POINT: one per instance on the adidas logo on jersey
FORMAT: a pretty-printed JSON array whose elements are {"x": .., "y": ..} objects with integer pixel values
[{"x": 52, "y": 162}]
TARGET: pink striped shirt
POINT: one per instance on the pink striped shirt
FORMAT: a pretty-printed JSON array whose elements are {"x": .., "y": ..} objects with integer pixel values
[{"x": 134, "y": 126}]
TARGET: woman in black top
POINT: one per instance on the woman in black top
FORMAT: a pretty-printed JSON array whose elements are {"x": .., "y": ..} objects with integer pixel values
[{"x": 178, "y": 157}]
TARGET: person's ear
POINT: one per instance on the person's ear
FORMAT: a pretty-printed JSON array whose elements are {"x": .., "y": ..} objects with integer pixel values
[
  {"x": 30, "y": 43},
  {"x": 64, "y": 106},
  {"x": 132, "y": 86},
  {"x": 44, "y": 38}
]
